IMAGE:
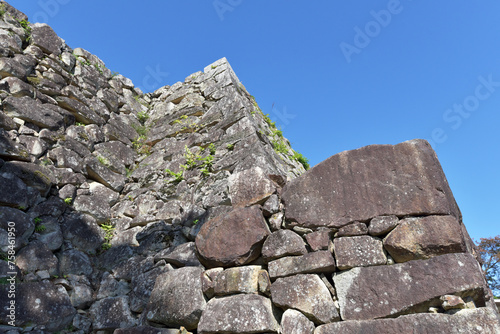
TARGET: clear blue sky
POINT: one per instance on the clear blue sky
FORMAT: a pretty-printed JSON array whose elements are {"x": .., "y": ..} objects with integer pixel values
[{"x": 340, "y": 75}]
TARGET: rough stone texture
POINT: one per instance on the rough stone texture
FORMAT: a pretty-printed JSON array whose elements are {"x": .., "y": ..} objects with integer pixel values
[
  {"x": 467, "y": 321},
  {"x": 320, "y": 240},
  {"x": 356, "y": 228},
  {"x": 111, "y": 313},
  {"x": 177, "y": 298},
  {"x": 382, "y": 291},
  {"x": 283, "y": 243},
  {"x": 18, "y": 220},
  {"x": 294, "y": 322},
  {"x": 39, "y": 303},
  {"x": 382, "y": 224},
  {"x": 238, "y": 280},
  {"x": 404, "y": 179},
  {"x": 422, "y": 238},
  {"x": 32, "y": 111},
  {"x": 232, "y": 239},
  {"x": 46, "y": 39},
  {"x": 36, "y": 256},
  {"x": 321, "y": 261},
  {"x": 306, "y": 293},
  {"x": 182, "y": 255},
  {"x": 360, "y": 251},
  {"x": 238, "y": 314},
  {"x": 250, "y": 187}
]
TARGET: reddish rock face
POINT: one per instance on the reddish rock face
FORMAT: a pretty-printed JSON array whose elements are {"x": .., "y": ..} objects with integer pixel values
[
  {"x": 383, "y": 291},
  {"x": 422, "y": 238},
  {"x": 376, "y": 180},
  {"x": 232, "y": 239}
]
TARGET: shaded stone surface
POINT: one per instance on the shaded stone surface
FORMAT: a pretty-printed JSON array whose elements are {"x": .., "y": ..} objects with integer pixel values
[
  {"x": 306, "y": 293},
  {"x": 382, "y": 224},
  {"x": 32, "y": 111},
  {"x": 320, "y": 240},
  {"x": 36, "y": 256},
  {"x": 422, "y": 238},
  {"x": 321, "y": 261},
  {"x": 359, "y": 251},
  {"x": 238, "y": 314},
  {"x": 232, "y": 239},
  {"x": 294, "y": 322},
  {"x": 10, "y": 219},
  {"x": 404, "y": 179},
  {"x": 481, "y": 320},
  {"x": 356, "y": 228},
  {"x": 177, "y": 298},
  {"x": 382, "y": 291},
  {"x": 250, "y": 187},
  {"x": 40, "y": 303},
  {"x": 238, "y": 280},
  {"x": 111, "y": 313},
  {"x": 180, "y": 256},
  {"x": 283, "y": 243}
]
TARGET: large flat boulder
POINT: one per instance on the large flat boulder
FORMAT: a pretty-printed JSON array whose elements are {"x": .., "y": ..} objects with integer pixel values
[
  {"x": 425, "y": 237},
  {"x": 382, "y": 291},
  {"x": 241, "y": 313},
  {"x": 404, "y": 179},
  {"x": 32, "y": 111},
  {"x": 232, "y": 239},
  {"x": 482, "y": 320}
]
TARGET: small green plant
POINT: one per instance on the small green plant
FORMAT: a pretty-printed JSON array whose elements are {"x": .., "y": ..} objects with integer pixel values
[
  {"x": 279, "y": 146},
  {"x": 37, "y": 220},
  {"x": 141, "y": 146},
  {"x": 40, "y": 228},
  {"x": 301, "y": 159},
  {"x": 68, "y": 200},
  {"x": 3, "y": 10},
  {"x": 4, "y": 256},
  {"x": 79, "y": 124},
  {"x": 108, "y": 235},
  {"x": 212, "y": 149},
  {"x": 103, "y": 161},
  {"x": 187, "y": 125},
  {"x": 114, "y": 74},
  {"x": 230, "y": 147},
  {"x": 213, "y": 67},
  {"x": 21, "y": 207},
  {"x": 130, "y": 198},
  {"x": 196, "y": 221},
  {"x": 45, "y": 162},
  {"x": 27, "y": 29},
  {"x": 178, "y": 177},
  {"x": 268, "y": 121},
  {"x": 142, "y": 116}
]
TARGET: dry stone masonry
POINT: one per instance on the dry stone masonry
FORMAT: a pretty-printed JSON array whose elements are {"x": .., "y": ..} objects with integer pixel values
[{"x": 186, "y": 210}]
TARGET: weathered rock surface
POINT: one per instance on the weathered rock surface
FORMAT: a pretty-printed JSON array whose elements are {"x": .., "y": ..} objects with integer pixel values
[
  {"x": 283, "y": 243},
  {"x": 422, "y": 238},
  {"x": 238, "y": 280},
  {"x": 306, "y": 293},
  {"x": 466, "y": 321},
  {"x": 294, "y": 322},
  {"x": 315, "y": 262},
  {"x": 359, "y": 251},
  {"x": 320, "y": 240},
  {"x": 383, "y": 291},
  {"x": 232, "y": 239},
  {"x": 382, "y": 224},
  {"x": 238, "y": 314},
  {"x": 177, "y": 298},
  {"x": 250, "y": 187},
  {"x": 404, "y": 179},
  {"x": 112, "y": 313}
]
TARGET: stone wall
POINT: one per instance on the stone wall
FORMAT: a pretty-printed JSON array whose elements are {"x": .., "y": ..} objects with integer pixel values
[{"x": 186, "y": 209}]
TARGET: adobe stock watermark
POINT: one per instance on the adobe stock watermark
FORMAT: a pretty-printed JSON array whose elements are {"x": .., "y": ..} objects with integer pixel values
[
  {"x": 223, "y": 6},
  {"x": 455, "y": 116},
  {"x": 363, "y": 36},
  {"x": 283, "y": 117},
  {"x": 11, "y": 274},
  {"x": 49, "y": 9},
  {"x": 154, "y": 78}
]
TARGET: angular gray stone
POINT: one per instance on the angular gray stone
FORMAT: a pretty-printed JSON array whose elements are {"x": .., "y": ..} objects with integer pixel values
[
  {"x": 83, "y": 232},
  {"x": 243, "y": 279},
  {"x": 482, "y": 320},
  {"x": 283, "y": 243},
  {"x": 74, "y": 262},
  {"x": 177, "y": 298},
  {"x": 102, "y": 174},
  {"x": 241, "y": 313},
  {"x": 382, "y": 224},
  {"x": 81, "y": 112},
  {"x": 250, "y": 187},
  {"x": 422, "y": 238},
  {"x": 306, "y": 293},
  {"x": 37, "y": 177},
  {"x": 32, "y": 111},
  {"x": 36, "y": 256},
  {"x": 359, "y": 251},
  {"x": 11, "y": 218},
  {"x": 81, "y": 295},
  {"x": 382, "y": 291},
  {"x": 316, "y": 262},
  {"x": 46, "y": 39},
  {"x": 111, "y": 313},
  {"x": 10, "y": 67},
  {"x": 404, "y": 179},
  {"x": 40, "y": 303},
  {"x": 294, "y": 322},
  {"x": 232, "y": 239},
  {"x": 142, "y": 285},
  {"x": 17, "y": 196},
  {"x": 180, "y": 256}
]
